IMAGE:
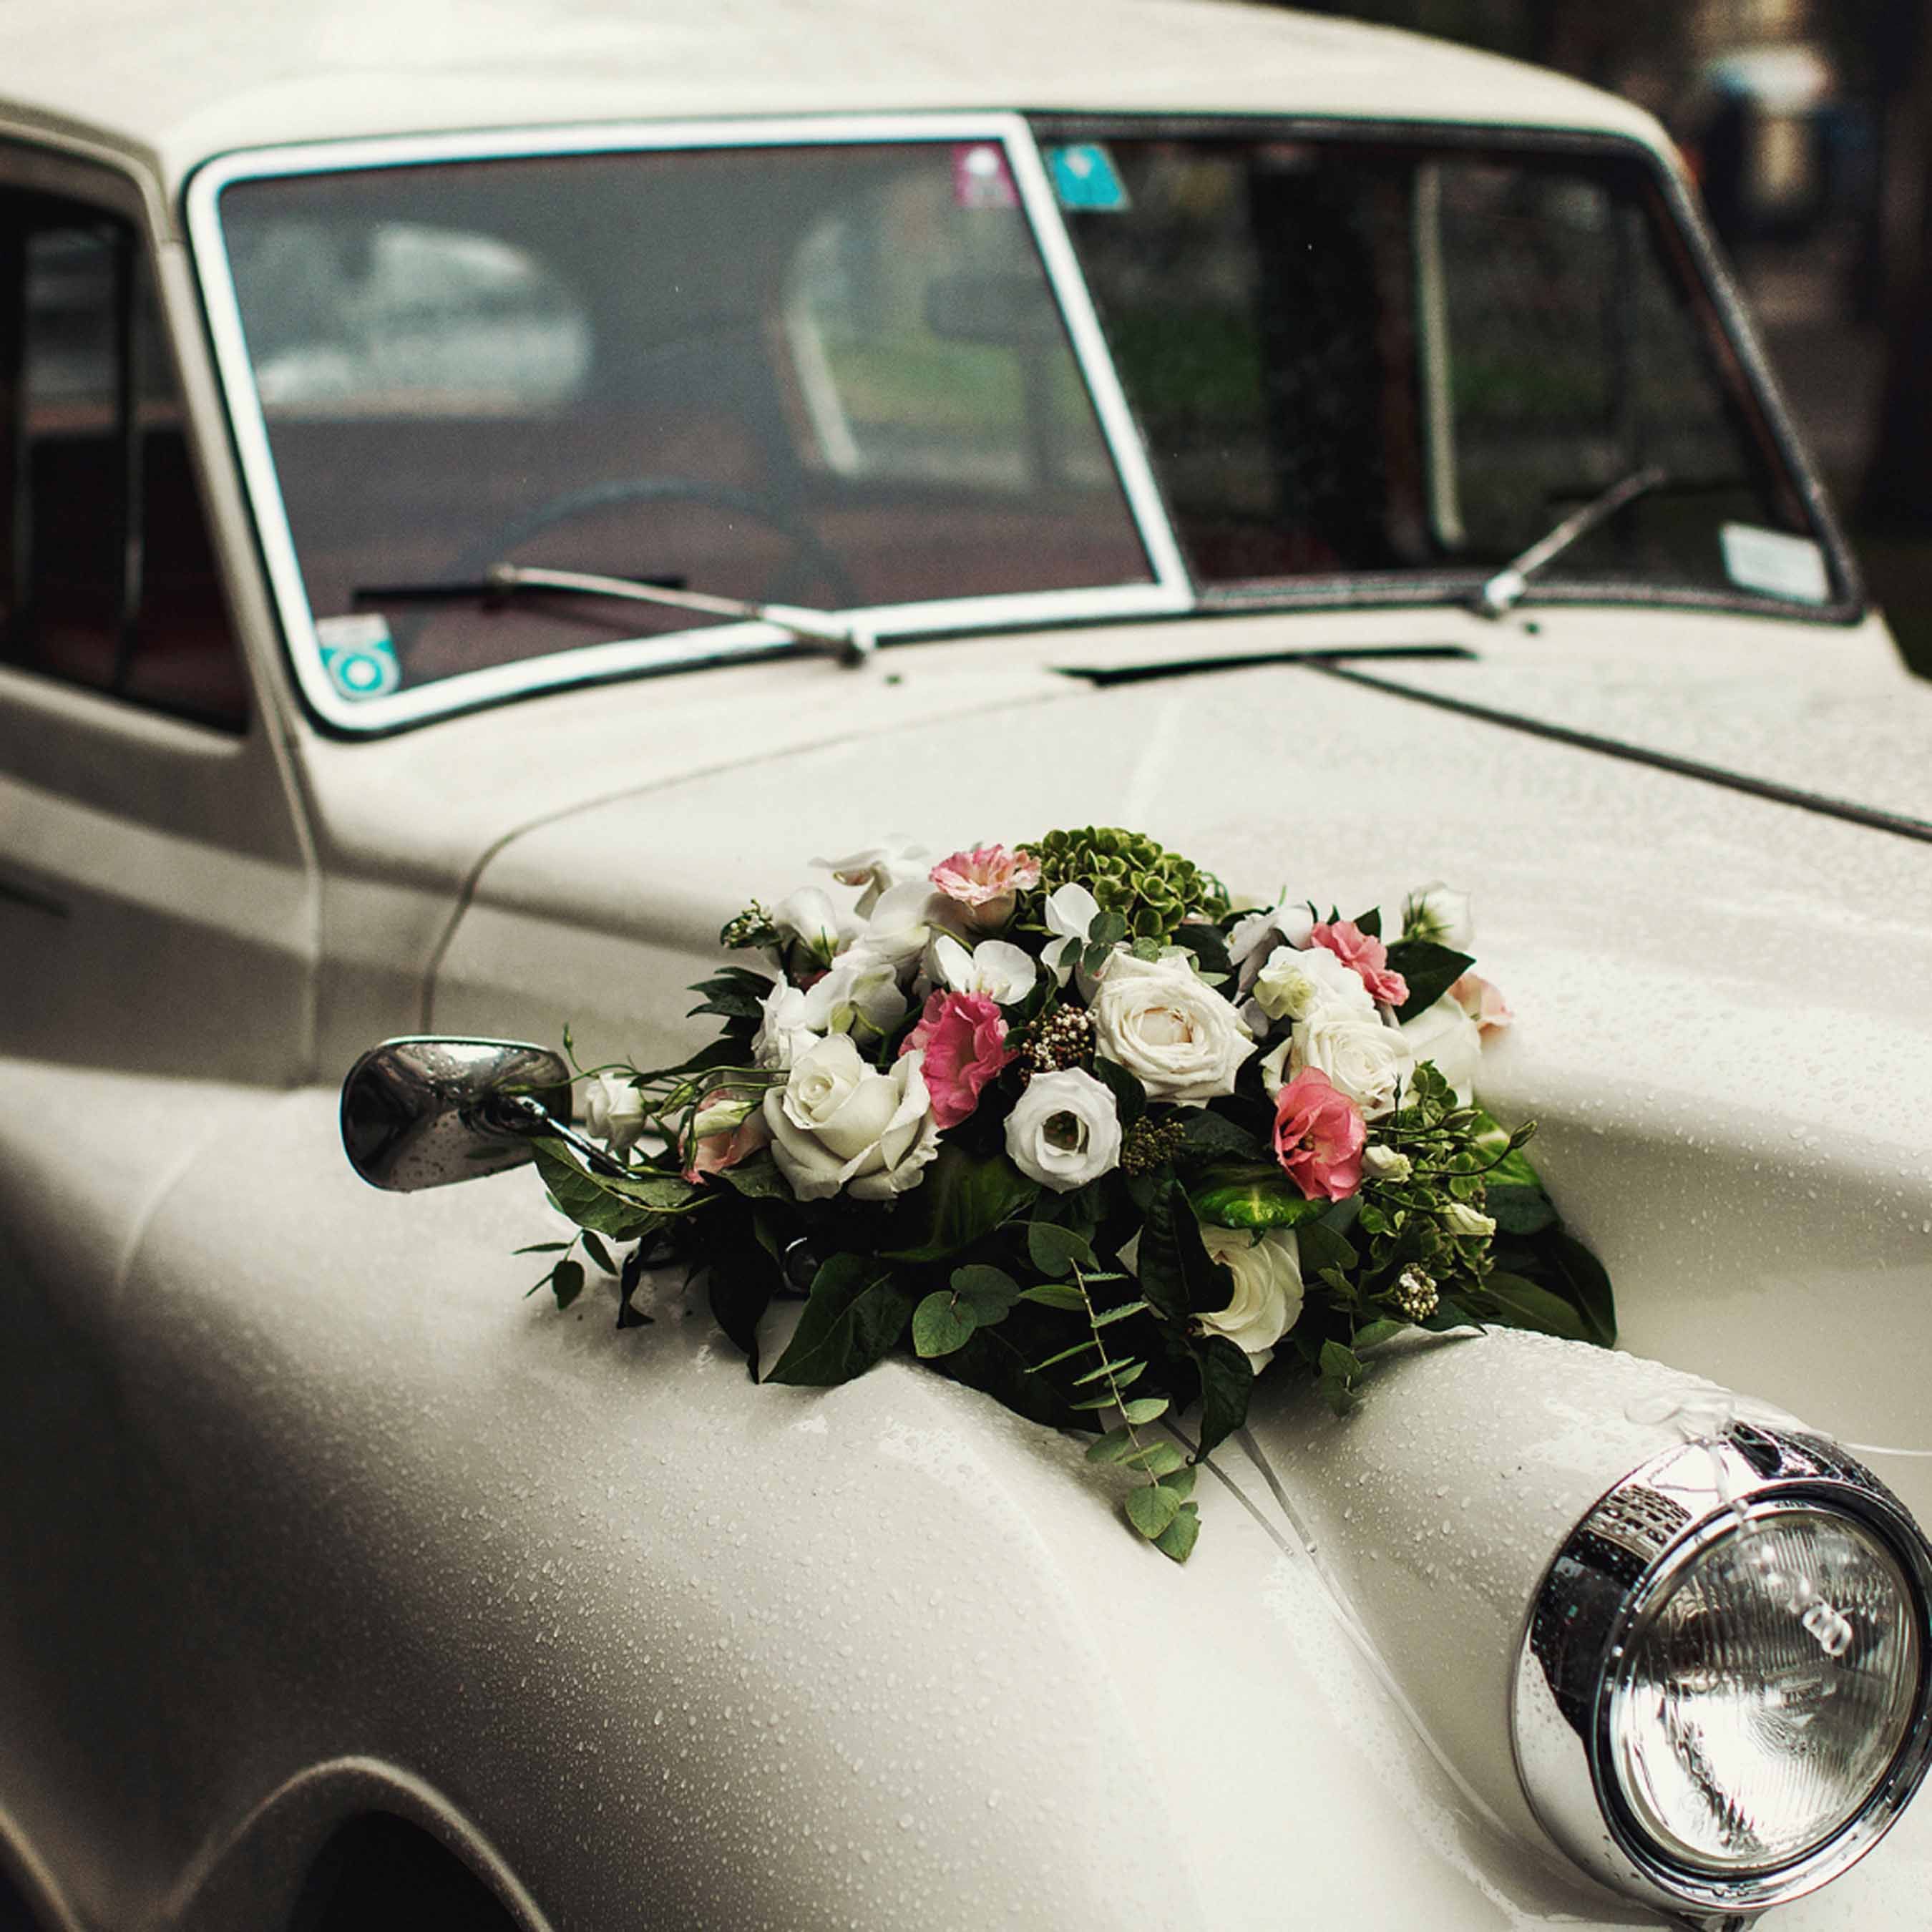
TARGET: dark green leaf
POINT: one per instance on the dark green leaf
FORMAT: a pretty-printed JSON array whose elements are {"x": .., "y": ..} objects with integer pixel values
[
  {"x": 1145, "y": 1409},
  {"x": 1051, "y": 1295},
  {"x": 1208, "y": 947},
  {"x": 1341, "y": 1375},
  {"x": 598, "y": 1252},
  {"x": 734, "y": 994},
  {"x": 1112, "y": 1371},
  {"x": 1129, "y": 1096},
  {"x": 854, "y": 1314},
  {"x": 940, "y": 1324},
  {"x": 1522, "y": 1304},
  {"x": 1582, "y": 1279},
  {"x": 742, "y": 1276},
  {"x": 964, "y": 1197},
  {"x": 1176, "y": 1274},
  {"x": 1111, "y": 1446},
  {"x": 1054, "y": 1249},
  {"x": 1227, "y": 1381},
  {"x": 1370, "y": 923},
  {"x": 1518, "y": 1210},
  {"x": 1251, "y": 1194},
  {"x": 992, "y": 1361},
  {"x": 1109, "y": 929},
  {"x": 1151, "y": 1509},
  {"x": 1370, "y": 1333},
  {"x": 1178, "y": 1539},
  {"x": 1430, "y": 971},
  {"x": 1181, "y": 1481},
  {"x": 623, "y": 1209},
  {"x": 989, "y": 1292},
  {"x": 1320, "y": 1247},
  {"x": 757, "y": 1179},
  {"x": 1513, "y": 1169},
  {"x": 545, "y": 1248},
  {"x": 1109, "y": 1315},
  {"x": 566, "y": 1283},
  {"x": 1207, "y": 1135}
]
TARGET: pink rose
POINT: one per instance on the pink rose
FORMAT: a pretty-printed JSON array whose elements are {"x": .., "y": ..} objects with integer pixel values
[
  {"x": 1318, "y": 1137},
  {"x": 1368, "y": 956},
  {"x": 963, "y": 1037},
  {"x": 730, "y": 1127},
  {"x": 1482, "y": 1002},
  {"x": 986, "y": 881}
]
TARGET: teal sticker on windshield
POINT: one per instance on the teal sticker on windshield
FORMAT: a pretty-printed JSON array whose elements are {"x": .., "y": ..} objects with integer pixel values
[
  {"x": 358, "y": 655},
  {"x": 1085, "y": 178}
]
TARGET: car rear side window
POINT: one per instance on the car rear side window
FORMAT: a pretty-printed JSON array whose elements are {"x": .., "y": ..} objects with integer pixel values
[{"x": 107, "y": 576}]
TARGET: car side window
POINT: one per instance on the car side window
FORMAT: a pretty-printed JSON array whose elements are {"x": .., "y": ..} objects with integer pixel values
[{"x": 107, "y": 575}]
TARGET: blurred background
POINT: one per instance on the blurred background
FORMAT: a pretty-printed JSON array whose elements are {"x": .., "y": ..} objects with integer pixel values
[{"x": 1808, "y": 125}]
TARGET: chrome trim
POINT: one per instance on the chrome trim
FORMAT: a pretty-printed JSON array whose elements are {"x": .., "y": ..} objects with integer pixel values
[
  {"x": 1168, "y": 593},
  {"x": 1631, "y": 1543}
]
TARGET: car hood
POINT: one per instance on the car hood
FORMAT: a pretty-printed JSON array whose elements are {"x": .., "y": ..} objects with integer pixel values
[{"x": 1715, "y": 1024}]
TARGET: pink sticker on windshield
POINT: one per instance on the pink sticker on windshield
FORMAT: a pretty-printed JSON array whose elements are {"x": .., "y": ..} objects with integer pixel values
[{"x": 980, "y": 178}]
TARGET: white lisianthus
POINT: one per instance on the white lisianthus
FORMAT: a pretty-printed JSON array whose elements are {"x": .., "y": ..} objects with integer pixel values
[
  {"x": 808, "y": 924},
  {"x": 1368, "y": 1062},
  {"x": 1384, "y": 1163},
  {"x": 1064, "y": 1130},
  {"x": 878, "y": 868},
  {"x": 1255, "y": 937},
  {"x": 1446, "y": 1034},
  {"x": 1070, "y": 913},
  {"x": 1297, "y": 986},
  {"x": 838, "y": 1122},
  {"x": 610, "y": 1109},
  {"x": 1267, "y": 1300},
  {"x": 1438, "y": 913},
  {"x": 1177, "y": 1037},
  {"x": 1459, "y": 1218},
  {"x": 996, "y": 969}
]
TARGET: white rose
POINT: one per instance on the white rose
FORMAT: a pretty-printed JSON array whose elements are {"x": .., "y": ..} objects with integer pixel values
[
  {"x": 1065, "y": 1131},
  {"x": 839, "y": 1122},
  {"x": 1179, "y": 1038},
  {"x": 1446, "y": 1034},
  {"x": 611, "y": 1110},
  {"x": 1267, "y": 1300},
  {"x": 995, "y": 969},
  {"x": 1297, "y": 986},
  {"x": 1437, "y": 913},
  {"x": 1367, "y": 1061}
]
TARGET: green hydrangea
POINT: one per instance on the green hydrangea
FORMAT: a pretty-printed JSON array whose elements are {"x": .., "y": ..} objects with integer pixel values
[{"x": 1154, "y": 890}]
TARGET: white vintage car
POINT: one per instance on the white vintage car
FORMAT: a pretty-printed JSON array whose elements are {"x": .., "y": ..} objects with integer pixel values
[{"x": 484, "y": 491}]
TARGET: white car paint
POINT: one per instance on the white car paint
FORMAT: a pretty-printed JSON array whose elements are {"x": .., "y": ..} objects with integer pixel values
[{"x": 306, "y": 1511}]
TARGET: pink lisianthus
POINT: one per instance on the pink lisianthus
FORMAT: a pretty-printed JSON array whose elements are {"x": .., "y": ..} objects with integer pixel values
[
  {"x": 1318, "y": 1136},
  {"x": 986, "y": 881},
  {"x": 729, "y": 1127},
  {"x": 1482, "y": 1002},
  {"x": 1368, "y": 955},
  {"x": 964, "y": 1038}
]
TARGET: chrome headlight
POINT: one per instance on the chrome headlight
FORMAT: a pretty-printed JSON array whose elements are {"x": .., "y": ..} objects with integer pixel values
[{"x": 1722, "y": 1700}]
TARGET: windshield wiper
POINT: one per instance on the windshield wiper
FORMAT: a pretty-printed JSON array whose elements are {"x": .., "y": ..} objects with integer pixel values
[
  {"x": 1501, "y": 594},
  {"x": 850, "y": 641}
]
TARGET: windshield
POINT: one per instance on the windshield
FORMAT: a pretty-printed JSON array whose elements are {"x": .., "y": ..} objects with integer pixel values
[{"x": 847, "y": 374}]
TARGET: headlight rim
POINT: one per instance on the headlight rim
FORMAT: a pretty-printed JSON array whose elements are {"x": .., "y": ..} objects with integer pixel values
[{"x": 1646, "y": 1529}]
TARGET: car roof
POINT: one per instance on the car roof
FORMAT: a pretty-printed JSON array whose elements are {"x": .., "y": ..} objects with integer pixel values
[{"x": 167, "y": 85}]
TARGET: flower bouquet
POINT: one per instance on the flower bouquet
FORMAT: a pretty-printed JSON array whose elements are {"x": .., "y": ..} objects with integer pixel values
[{"x": 1066, "y": 1125}]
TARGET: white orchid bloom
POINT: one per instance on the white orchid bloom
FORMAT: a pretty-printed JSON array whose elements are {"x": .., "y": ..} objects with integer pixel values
[
  {"x": 995, "y": 969},
  {"x": 1254, "y": 938},
  {"x": 1070, "y": 914},
  {"x": 808, "y": 923},
  {"x": 1439, "y": 913},
  {"x": 901, "y": 923},
  {"x": 860, "y": 995},
  {"x": 878, "y": 868}
]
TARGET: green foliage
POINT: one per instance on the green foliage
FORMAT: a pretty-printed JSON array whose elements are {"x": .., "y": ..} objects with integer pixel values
[
  {"x": 1250, "y": 1194},
  {"x": 855, "y": 1313},
  {"x": 1430, "y": 971},
  {"x": 733, "y": 994},
  {"x": 1054, "y": 1250},
  {"x": 625, "y": 1209},
  {"x": 1154, "y": 891},
  {"x": 945, "y": 1321},
  {"x": 1176, "y": 1274},
  {"x": 1227, "y": 1381},
  {"x": 964, "y": 1197}
]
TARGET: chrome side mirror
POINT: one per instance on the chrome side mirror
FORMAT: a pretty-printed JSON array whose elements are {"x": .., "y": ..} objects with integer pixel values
[{"x": 423, "y": 1112}]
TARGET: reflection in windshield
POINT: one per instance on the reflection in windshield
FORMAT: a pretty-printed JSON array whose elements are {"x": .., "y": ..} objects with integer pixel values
[
  {"x": 1352, "y": 356},
  {"x": 826, "y": 375},
  {"x": 835, "y": 375}
]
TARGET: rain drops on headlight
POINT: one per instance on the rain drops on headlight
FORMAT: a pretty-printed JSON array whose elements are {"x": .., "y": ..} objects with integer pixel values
[
  {"x": 1722, "y": 1701},
  {"x": 1764, "y": 1690}
]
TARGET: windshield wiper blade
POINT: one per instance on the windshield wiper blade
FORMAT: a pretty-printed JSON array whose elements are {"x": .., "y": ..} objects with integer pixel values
[
  {"x": 1501, "y": 593},
  {"x": 850, "y": 641}
]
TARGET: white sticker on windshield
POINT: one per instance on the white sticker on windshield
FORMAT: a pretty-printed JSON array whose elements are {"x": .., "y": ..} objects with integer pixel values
[{"x": 1756, "y": 558}]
